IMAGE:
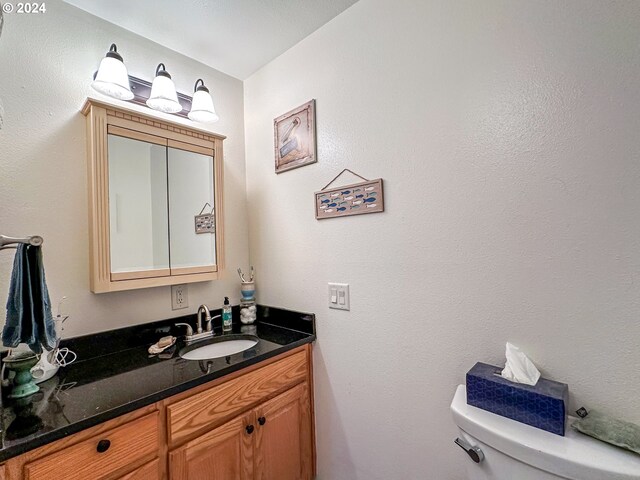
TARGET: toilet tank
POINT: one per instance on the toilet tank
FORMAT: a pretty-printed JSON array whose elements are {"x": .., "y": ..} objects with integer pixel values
[{"x": 513, "y": 450}]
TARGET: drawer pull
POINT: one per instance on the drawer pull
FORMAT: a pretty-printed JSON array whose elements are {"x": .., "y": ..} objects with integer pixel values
[
  {"x": 249, "y": 429},
  {"x": 262, "y": 420},
  {"x": 103, "y": 446}
]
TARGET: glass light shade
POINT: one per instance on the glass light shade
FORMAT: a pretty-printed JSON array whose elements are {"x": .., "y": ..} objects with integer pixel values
[
  {"x": 112, "y": 79},
  {"x": 202, "y": 109},
  {"x": 163, "y": 95}
]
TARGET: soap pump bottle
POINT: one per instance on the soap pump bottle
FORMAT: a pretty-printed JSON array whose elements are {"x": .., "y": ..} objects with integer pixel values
[{"x": 226, "y": 316}]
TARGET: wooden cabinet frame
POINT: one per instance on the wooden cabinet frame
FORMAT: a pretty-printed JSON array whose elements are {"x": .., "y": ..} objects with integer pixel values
[{"x": 104, "y": 118}]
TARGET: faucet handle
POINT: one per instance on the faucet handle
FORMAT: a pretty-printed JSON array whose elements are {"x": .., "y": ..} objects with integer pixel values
[{"x": 189, "y": 328}]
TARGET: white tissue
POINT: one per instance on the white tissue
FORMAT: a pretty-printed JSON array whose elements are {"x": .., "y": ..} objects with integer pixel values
[{"x": 519, "y": 368}]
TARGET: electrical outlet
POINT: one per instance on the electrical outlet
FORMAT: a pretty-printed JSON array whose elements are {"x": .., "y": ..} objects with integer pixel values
[
  {"x": 339, "y": 296},
  {"x": 179, "y": 297}
]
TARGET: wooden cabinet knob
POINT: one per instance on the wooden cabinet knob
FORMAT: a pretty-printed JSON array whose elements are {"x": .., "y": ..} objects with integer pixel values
[
  {"x": 103, "y": 446},
  {"x": 262, "y": 420},
  {"x": 249, "y": 429}
]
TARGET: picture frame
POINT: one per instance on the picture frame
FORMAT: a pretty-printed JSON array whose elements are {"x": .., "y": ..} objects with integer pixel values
[
  {"x": 355, "y": 199},
  {"x": 295, "y": 138}
]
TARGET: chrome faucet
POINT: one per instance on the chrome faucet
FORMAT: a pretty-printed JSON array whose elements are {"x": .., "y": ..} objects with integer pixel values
[
  {"x": 207, "y": 318},
  {"x": 200, "y": 334}
]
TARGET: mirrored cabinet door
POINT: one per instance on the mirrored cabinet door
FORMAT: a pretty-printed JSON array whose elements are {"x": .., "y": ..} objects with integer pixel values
[
  {"x": 155, "y": 201},
  {"x": 191, "y": 192},
  {"x": 138, "y": 217}
]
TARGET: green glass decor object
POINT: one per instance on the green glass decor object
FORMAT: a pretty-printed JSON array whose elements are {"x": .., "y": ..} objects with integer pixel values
[{"x": 23, "y": 384}]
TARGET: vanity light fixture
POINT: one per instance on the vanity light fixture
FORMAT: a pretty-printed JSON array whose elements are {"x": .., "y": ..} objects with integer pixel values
[
  {"x": 202, "y": 109},
  {"x": 112, "y": 78},
  {"x": 163, "y": 92}
]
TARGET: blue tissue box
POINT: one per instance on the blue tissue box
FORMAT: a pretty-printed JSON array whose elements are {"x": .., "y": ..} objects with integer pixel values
[{"x": 543, "y": 405}]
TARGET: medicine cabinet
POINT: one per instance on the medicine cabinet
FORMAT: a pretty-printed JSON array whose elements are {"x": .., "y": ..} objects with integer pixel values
[{"x": 155, "y": 200}]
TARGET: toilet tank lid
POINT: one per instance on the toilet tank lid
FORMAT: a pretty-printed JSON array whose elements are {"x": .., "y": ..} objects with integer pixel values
[{"x": 574, "y": 456}]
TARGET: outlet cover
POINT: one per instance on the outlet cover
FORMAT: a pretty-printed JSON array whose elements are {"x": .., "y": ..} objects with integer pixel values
[
  {"x": 179, "y": 297},
  {"x": 339, "y": 296}
]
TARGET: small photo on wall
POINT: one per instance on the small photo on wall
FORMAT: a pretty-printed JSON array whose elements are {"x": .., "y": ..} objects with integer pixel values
[{"x": 295, "y": 137}]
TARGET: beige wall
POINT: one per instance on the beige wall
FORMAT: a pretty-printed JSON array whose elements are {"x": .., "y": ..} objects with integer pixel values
[
  {"x": 506, "y": 132},
  {"x": 507, "y": 136},
  {"x": 46, "y": 64}
]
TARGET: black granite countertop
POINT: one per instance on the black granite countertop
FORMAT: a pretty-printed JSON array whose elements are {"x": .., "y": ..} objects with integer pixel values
[{"x": 114, "y": 374}]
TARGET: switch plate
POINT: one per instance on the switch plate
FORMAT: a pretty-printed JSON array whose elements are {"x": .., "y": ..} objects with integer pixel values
[
  {"x": 179, "y": 297},
  {"x": 339, "y": 296}
]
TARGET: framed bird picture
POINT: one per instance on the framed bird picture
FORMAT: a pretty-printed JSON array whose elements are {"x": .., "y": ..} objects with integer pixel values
[{"x": 295, "y": 137}]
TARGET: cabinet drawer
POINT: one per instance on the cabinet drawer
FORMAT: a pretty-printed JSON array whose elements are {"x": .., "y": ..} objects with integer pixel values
[
  {"x": 149, "y": 471},
  {"x": 212, "y": 407},
  {"x": 127, "y": 444}
]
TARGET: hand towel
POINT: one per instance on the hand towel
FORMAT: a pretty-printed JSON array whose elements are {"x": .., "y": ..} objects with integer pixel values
[{"x": 29, "y": 318}]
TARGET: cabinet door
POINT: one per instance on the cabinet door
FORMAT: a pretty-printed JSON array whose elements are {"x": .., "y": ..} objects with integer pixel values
[
  {"x": 191, "y": 192},
  {"x": 283, "y": 449},
  {"x": 138, "y": 218},
  {"x": 224, "y": 453}
]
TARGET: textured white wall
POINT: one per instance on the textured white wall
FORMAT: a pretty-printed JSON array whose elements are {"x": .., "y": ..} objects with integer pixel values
[
  {"x": 46, "y": 63},
  {"x": 507, "y": 136}
]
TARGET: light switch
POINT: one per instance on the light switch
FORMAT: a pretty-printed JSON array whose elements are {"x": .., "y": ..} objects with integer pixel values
[{"x": 339, "y": 296}]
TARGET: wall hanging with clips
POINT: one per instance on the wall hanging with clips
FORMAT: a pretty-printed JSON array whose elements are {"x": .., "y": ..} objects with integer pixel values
[{"x": 354, "y": 199}]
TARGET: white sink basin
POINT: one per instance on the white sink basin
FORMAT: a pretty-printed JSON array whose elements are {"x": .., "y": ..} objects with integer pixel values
[{"x": 221, "y": 348}]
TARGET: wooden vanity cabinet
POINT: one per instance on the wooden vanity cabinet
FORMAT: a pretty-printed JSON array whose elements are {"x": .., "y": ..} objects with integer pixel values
[
  {"x": 271, "y": 442},
  {"x": 255, "y": 424}
]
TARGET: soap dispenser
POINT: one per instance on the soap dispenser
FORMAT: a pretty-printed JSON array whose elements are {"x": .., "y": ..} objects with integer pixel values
[{"x": 226, "y": 316}]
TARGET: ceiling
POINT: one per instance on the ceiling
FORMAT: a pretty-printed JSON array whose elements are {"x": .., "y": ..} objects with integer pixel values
[{"x": 236, "y": 37}]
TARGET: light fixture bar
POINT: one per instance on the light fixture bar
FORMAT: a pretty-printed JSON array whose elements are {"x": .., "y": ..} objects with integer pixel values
[{"x": 113, "y": 80}]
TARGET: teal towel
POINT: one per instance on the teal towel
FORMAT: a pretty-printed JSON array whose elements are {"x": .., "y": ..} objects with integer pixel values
[{"x": 29, "y": 318}]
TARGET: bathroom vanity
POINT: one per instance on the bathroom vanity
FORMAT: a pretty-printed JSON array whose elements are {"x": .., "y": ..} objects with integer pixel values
[{"x": 129, "y": 416}]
